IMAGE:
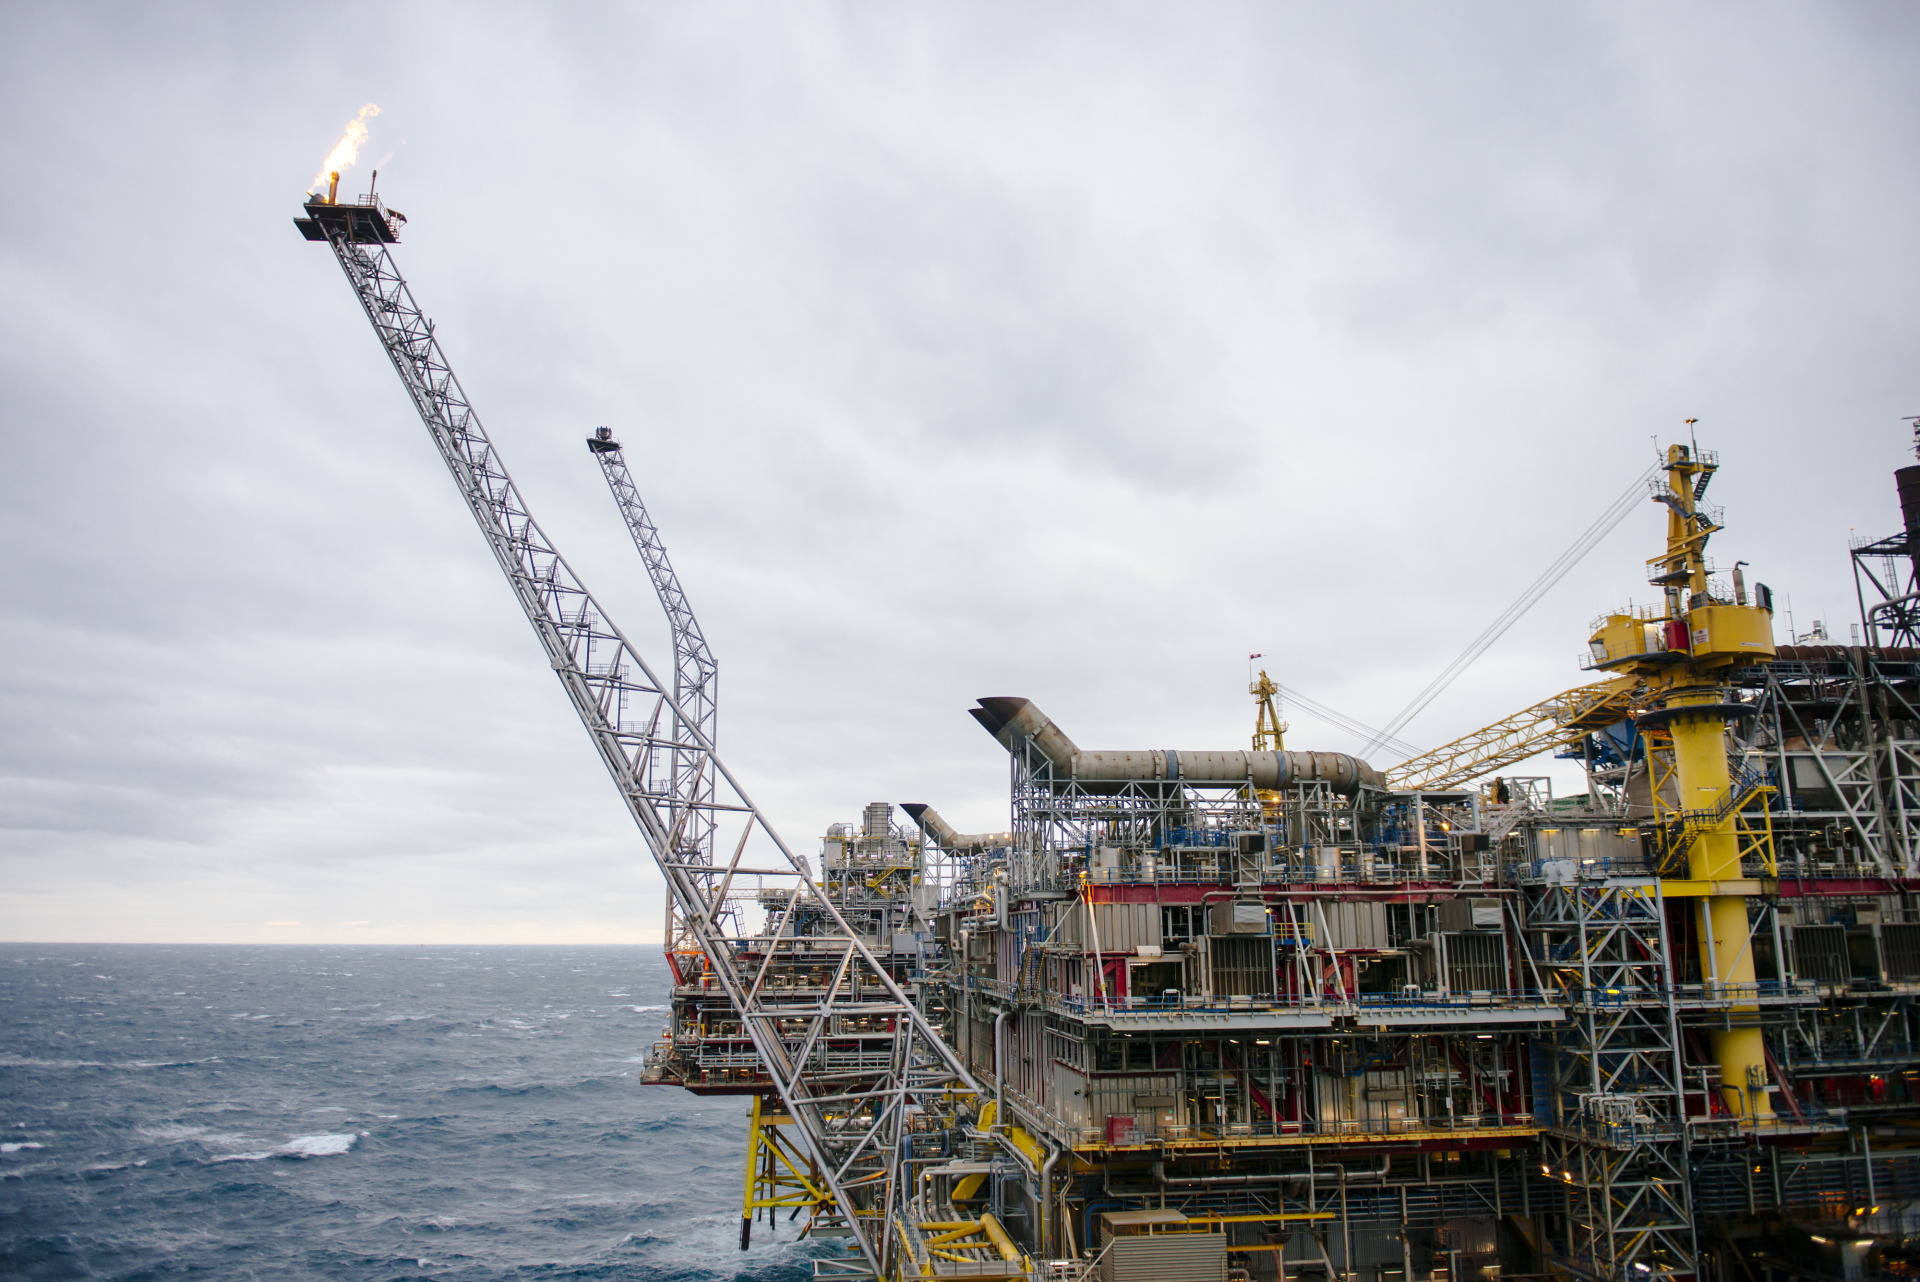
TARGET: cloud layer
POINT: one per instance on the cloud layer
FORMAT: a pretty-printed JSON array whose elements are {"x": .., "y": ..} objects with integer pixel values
[{"x": 959, "y": 350}]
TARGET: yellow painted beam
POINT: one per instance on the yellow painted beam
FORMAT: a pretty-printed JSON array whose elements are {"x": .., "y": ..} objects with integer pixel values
[
  {"x": 998, "y": 1235},
  {"x": 1026, "y": 1144},
  {"x": 1687, "y": 888}
]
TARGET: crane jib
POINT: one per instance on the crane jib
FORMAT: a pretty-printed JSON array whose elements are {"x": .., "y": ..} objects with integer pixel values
[{"x": 657, "y": 743}]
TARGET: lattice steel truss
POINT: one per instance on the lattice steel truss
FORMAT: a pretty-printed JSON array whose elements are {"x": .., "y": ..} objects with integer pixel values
[
  {"x": 1848, "y": 713},
  {"x": 853, "y": 1125},
  {"x": 1886, "y": 582},
  {"x": 696, "y": 684},
  {"x": 1552, "y": 723},
  {"x": 1617, "y": 1144}
]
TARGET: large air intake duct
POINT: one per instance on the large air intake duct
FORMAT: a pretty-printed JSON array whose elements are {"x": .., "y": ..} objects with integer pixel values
[
  {"x": 1013, "y": 720},
  {"x": 950, "y": 840}
]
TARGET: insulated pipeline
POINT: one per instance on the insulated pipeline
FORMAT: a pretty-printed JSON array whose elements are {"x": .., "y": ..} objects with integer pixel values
[{"x": 1013, "y": 721}]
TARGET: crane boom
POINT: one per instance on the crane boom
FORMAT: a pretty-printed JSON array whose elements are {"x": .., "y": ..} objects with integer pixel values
[
  {"x": 1546, "y": 725},
  {"x": 855, "y": 1129},
  {"x": 696, "y": 682}
]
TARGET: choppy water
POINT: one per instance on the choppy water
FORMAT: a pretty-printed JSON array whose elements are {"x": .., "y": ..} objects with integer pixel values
[{"x": 360, "y": 1113}]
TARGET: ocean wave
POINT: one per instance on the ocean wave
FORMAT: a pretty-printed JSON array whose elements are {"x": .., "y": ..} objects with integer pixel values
[
  {"x": 644, "y": 1010},
  {"x": 172, "y": 1131},
  {"x": 300, "y": 1146},
  {"x": 26, "y": 1061},
  {"x": 15, "y": 1148}
]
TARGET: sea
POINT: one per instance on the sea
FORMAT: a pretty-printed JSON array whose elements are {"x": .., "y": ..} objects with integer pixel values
[{"x": 360, "y": 1113}]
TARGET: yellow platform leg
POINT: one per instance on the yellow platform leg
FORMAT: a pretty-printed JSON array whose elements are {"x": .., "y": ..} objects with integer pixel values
[{"x": 779, "y": 1174}]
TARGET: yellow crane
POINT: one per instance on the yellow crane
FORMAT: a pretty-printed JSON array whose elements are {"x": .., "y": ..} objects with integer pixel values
[
  {"x": 1268, "y": 729},
  {"x": 1552, "y": 723}
]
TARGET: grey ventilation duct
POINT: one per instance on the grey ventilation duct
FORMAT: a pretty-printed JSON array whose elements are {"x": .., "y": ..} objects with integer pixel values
[
  {"x": 954, "y": 843},
  {"x": 1012, "y": 720}
]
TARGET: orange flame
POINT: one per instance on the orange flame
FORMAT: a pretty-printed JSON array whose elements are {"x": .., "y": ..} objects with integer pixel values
[{"x": 347, "y": 149}]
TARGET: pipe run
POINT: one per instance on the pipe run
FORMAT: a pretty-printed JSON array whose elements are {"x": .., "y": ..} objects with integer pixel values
[
  {"x": 1013, "y": 721},
  {"x": 954, "y": 843},
  {"x": 1161, "y": 1178}
]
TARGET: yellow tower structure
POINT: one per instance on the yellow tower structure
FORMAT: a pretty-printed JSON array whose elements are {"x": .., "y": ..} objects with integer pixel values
[
  {"x": 1685, "y": 649},
  {"x": 1269, "y": 731}
]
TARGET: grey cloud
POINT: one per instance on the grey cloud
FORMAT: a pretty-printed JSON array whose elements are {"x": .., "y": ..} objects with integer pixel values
[{"x": 1072, "y": 353}]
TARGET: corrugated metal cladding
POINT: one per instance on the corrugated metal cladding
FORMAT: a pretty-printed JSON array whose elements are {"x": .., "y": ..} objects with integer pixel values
[
  {"x": 1900, "y": 951},
  {"x": 1166, "y": 1257},
  {"x": 1820, "y": 954},
  {"x": 1588, "y": 843},
  {"x": 1121, "y": 927},
  {"x": 1476, "y": 963},
  {"x": 1361, "y": 925},
  {"x": 1121, "y": 1096}
]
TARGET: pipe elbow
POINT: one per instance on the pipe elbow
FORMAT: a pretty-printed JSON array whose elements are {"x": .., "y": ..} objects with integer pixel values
[{"x": 1015, "y": 722}]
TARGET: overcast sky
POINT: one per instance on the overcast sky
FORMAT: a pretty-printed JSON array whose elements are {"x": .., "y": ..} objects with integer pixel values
[{"x": 1066, "y": 351}]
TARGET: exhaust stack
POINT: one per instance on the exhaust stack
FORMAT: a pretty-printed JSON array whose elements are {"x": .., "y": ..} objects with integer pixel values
[
  {"x": 333, "y": 188},
  {"x": 1012, "y": 720}
]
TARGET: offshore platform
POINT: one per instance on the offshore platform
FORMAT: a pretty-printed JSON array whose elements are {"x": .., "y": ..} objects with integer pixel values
[{"x": 1267, "y": 1013}]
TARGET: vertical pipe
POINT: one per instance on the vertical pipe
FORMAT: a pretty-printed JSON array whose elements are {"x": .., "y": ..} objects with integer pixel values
[
  {"x": 1420, "y": 825},
  {"x": 1346, "y": 1229},
  {"x": 1866, "y": 1147},
  {"x": 999, "y": 1077},
  {"x": 1406, "y": 1246},
  {"x": 1046, "y": 1199}
]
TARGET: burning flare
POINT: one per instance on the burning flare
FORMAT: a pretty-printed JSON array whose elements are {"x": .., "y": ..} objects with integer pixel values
[{"x": 347, "y": 149}]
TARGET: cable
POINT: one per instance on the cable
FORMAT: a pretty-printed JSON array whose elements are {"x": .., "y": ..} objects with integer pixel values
[
  {"x": 1340, "y": 720},
  {"x": 1589, "y": 538}
]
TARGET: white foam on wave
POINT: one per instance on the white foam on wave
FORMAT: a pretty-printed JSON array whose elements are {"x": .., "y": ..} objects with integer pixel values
[
  {"x": 299, "y": 1146},
  {"x": 320, "y": 1145},
  {"x": 644, "y": 1010},
  {"x": 15, "y": 1148},
  {"x": 23, "y": 1061},
  {"x": 172, "y": 1131}
]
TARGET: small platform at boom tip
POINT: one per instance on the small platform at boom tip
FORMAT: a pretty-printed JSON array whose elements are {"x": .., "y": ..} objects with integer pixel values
[{"x": 364, "y": 222}]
